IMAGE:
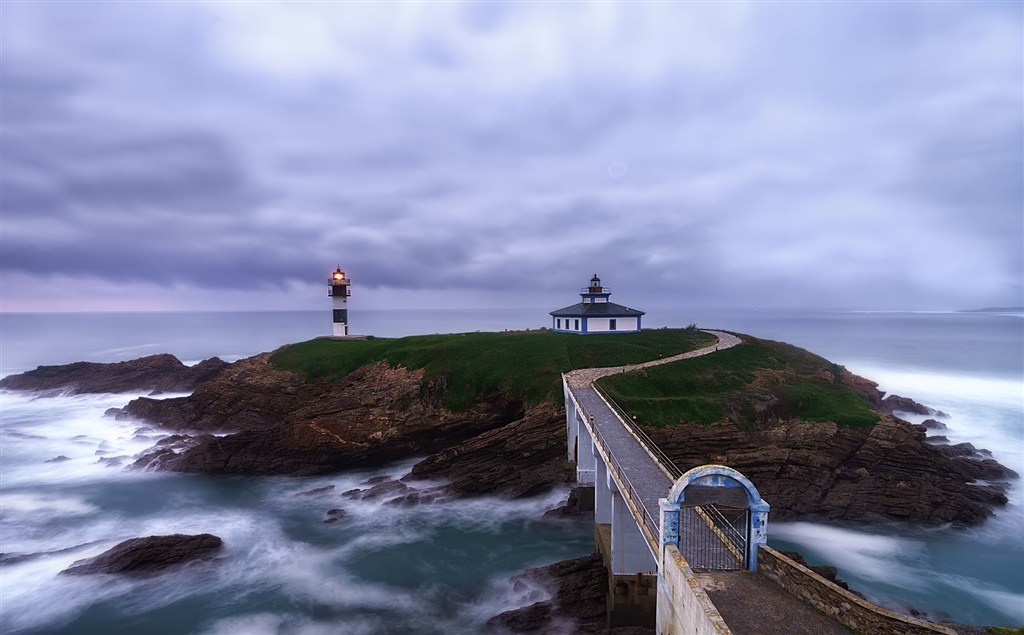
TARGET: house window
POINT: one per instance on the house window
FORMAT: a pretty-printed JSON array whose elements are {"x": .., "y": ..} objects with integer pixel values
[
  {"x": 576, "y": 325},
  {"x": 558, "y": 323},
  {"x": 611, "y": 325}
]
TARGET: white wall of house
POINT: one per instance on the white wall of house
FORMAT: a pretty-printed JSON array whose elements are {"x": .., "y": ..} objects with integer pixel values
[{"x": 603, "y": 325}]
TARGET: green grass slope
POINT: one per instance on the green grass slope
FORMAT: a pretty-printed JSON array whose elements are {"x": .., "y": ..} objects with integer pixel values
[
  {"x": 525, "y": 365},
  {"x": 745, "y": 384}
]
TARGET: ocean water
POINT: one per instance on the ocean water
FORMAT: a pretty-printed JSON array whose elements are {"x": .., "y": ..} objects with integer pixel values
[{"x": 441, "y": 568}]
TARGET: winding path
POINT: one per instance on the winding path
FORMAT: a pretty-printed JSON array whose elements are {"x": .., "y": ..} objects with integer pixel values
[{"x": 585, "y": 376}]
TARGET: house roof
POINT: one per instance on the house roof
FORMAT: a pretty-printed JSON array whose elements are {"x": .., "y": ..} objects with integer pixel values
[{"x": 596, "y": 309}]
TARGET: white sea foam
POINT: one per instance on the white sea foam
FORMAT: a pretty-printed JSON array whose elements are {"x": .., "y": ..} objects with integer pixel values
[
  {"x": 922, "y": 385},
  {"x": 42, "y": 505},
  {"x": 50, "y": 440},
  {"x": 877, "y": 557},
  {"x": 276, "y": 624}
]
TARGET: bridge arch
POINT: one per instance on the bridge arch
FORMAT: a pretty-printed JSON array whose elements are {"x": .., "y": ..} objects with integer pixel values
[{"x": 706, "y": 486}]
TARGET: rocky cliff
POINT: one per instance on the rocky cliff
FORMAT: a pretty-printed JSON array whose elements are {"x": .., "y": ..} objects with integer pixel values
[
  {"x": 251, "y": 417},
  {"x": 285, "y": 425},
  {"x": 158, "y": 373},
  {"x": 820, "y": 470}
]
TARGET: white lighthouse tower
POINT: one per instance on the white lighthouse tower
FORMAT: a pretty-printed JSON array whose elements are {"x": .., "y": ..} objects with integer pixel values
[{"x": 338, "y": 290}]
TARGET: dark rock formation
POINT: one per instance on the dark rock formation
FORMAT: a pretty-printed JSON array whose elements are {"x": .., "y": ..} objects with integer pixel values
[
  {"x": 149, "y": 555},
  {"x": 374, "y": 416},
  {"x": 156, "y": 373},
  {"x": 932, "y": 424},
  {"x": 334, "y": 515},
  {"x": 879, "y": 400},
  {"x": 574, "y": 507},
  {"x": 895, "y": 403},
  {"x": 249, "y": 394},
  {"x": 579, "y": 588},
  {"x": 284, "y": 424},
  {"x": 819, "y": 470},
  {"x": 317, "y": 491},
  {"x": 396, "y": 492},
  {"x": 521, "y": 459}
]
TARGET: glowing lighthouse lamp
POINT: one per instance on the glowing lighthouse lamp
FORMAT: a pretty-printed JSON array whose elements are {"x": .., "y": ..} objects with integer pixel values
[{"x": 339, "y": 292}]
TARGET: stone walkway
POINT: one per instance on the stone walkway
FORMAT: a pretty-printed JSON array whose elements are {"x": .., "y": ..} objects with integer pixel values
[
  {"x": 751, "y": 604},
  {"x": 584, "y": 376}
]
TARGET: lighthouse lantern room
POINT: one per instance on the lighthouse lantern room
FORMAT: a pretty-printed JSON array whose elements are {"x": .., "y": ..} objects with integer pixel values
[{"x": 339, "y": 291}]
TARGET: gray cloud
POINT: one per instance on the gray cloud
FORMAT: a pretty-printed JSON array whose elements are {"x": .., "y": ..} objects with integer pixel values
[{"x": 741, "y": 154}]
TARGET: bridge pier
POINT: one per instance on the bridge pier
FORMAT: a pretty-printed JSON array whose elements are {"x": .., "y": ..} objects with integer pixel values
[
  {"x": 630, "y": 553},
  {"x": 585, "y": 457},
  {"x": 602, "y": 492},
  {"x": 572, "y": 428}
]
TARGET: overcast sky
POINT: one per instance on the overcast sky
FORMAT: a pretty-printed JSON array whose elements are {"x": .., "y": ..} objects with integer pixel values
[{"x": 187, "y": 155}]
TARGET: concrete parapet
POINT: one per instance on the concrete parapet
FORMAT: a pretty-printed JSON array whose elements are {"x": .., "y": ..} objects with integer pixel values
[
  {"x": 845, "y": 607},
  {"x": 683, "y": 606}
]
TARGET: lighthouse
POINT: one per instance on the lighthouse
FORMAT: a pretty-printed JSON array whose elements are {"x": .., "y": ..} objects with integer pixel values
[
  {"x": 595, "y": 313},
  {"x": 338, "y": 290}
]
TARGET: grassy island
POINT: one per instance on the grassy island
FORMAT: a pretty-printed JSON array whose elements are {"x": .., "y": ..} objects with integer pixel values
[
  {"x": 525, "y": 365},
  {"x": 755, "y": 380},
  {"x": 747, "y": 383}
]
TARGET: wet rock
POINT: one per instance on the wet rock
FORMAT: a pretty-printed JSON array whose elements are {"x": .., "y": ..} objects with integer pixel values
[
  {"x": 523, "y": 458},
  {"x": 57, "y": 459},
  {"x": 334, "y": 515},
  {"x": 382, "y": 489},
  {"x": 576, "y": 506},
  {"x": 148, "y": 555},
  {"x": 111, "y": 412},
  {"x": 896, "y": 403},
  {"x": 932, "y": 424},
  {"x": 318, "y": 491},
  {"x": 579, "y": 589},
  {"x": 966, "y": 450},
  {"x": 420, "y": 497},
  {"x": 155, "y": 372}
]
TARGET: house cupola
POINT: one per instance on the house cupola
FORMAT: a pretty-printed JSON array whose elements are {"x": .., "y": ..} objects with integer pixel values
[{"x": 595, "y": 291}]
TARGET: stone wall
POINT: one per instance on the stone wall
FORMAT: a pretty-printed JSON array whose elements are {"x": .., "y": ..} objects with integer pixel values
[
  {"x": 845, "y": 607},
  {"x": 683, "y": 606}
]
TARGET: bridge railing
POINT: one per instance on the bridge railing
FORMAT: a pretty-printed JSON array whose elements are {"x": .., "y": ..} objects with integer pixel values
[
  {"x": 666, "y": 463},
  {"x": 631, "y": 492},
  {"x": 651, "y": 517}
]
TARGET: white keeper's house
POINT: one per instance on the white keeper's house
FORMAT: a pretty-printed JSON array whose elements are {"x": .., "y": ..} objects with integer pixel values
[{"x": 595, "y": 314}]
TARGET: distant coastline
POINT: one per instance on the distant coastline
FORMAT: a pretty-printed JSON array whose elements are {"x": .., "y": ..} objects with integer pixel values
[{"x": 995, "y": 309}]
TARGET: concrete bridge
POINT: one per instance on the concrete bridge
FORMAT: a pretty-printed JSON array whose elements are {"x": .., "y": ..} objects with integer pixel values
[{"x": 686, "y": 552}]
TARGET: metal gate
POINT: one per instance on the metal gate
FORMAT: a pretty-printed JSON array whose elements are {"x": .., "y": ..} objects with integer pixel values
[{"x": 714, "y": 537}]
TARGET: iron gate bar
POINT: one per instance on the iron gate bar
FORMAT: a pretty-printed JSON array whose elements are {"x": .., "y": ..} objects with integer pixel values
[{"x": 712, "y": 541}]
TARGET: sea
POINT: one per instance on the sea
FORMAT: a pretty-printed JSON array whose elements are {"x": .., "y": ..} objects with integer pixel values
[{"x": 67, "y": 491}]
